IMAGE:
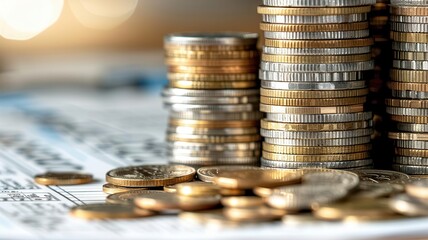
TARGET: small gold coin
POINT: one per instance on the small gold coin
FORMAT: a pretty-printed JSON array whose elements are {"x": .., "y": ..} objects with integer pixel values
[
  {"x": 411, "y": 152},
  {"x": 242, "y": 202},
  {"x": 315, "y": 150},
  {"x": 164, "y": 201},
  {"x": 409, "y": 37},
  {"x": 63, "y": 178},
  {"x": 112, "y": 189},
  {"x": 251, "y": 178},
  {"x": 313, "y": 94},
  {"x": 418, "y": 189},
  {"x": 254, "y": 214},
  {"x": 196, "y": 189},
  {"x": 263, "y": 191},
  {"x": 127, "y": 197},
  {"x": 408, "y": 136},
  {"x": 150, "y": 175},
  {"x": 170, "y": 189},
  {"x": 108, "y": 211},
  {"x": 409, "y": 119},
  {"x": 402, "y": 75},
  {"x": 407, "y": 103},
  {"x": 232, "y": 192},
  {"x": 214, "y": 218},
  {"x": 409, "y": 10},
  {"x": 207, "y": 174},
  {"x": 419, "y": 87},
  {"x": 311, "y": 127}
]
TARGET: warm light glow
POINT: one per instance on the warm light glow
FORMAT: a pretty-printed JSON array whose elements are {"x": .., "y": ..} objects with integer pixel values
[
  {"x": 24, "y": 19},
  {"x": 103, "y": 14}
]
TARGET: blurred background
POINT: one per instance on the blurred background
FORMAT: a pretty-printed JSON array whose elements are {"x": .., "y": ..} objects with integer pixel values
[{"x": 103, "y": 42}]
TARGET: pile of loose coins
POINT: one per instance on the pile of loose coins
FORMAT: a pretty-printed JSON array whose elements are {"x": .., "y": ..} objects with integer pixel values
[
  {"x": 213, "y": 97},
  {"x": 409, "y": 86},
  {"x": 232, "y": 196},
  {"x": 314, "y": 69}
]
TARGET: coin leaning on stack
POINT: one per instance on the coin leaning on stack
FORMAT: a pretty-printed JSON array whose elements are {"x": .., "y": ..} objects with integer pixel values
[
  {"x": 315, "y": 64},
  {"x": 213, "y": 97},
  {"x": 409, "y": 86}
]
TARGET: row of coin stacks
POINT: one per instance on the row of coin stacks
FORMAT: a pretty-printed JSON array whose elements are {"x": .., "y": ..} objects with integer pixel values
[
  {"x": 315, "y": 65},
  {"x": 409, "y": 86},
  {"x": 213, "y": 97}
]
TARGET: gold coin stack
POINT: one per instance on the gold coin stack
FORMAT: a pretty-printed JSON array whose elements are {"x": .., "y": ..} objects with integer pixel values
[
  {"x": 315, "y": 64},
  {"x": 408, "y": 104},
  {"x": 213, "y": 97}
]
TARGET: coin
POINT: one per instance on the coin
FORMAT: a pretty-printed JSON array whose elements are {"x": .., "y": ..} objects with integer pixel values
[
  {"x": 195, "y": 189},
  {"x": 300, "y": 219},
  {"x": 411, "y": 169},
  {"x": 214, "y": 218},
  {"x": 312, "y": 11},
  {"x": 242, "y": 202},
  {"x": 382, "y": 176},
  {"x": 311, "y": 110},
  {"x": 127, "y": 197},
  {"x": 170, "y": 189},
  {"x": 253, "y": 214},
  {"x": 112, "y": 189},
  {"x": 368, "y": 190},
  {"x": 266, "y": 124},
  {"x": 211, "y": 38},
  {"x": 348, "y": 179},
  {"x": 409, "y": 206},
  {"x": 189, "y": 54},
  {"x": 329, "y": 164},
  {"x": 312, "y": 28},
  {"x": 312, "y": 102},
  {"x": 319, "y": 44},
  {"x": 418, "y": 189},
  {"x": 314, "y": 158},
  {"x": 108, "y": 211},
  {"x": 315, "y": 150},
  {"x": 63, "y": 178},
  {"x": 207, "y": 174},
  {"x": 150, "y": 175},
  {"x": 317, "y": 3}
]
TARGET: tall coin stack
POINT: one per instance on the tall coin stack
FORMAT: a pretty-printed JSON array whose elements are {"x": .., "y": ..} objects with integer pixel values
[
  {"x": 315, "y": 66},
  {"x": 213, "y": 97},
  {"x": 409, "y": 86}
]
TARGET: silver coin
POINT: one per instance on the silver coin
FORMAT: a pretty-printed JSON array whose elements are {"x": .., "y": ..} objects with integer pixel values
[
  {"x": 412, "y": 65},
  {"x": 313, "y": 77},
  {"x": 411, "y": 169},
  {"x": 316, "y": 135},
  {"x": 409, "y": 27},
  {"x": 368, "y": 190},
  {"x": 417, "y": 161},
  {"x": 313, "y": 85},
  {"x": 231, "y": 116},
  {"x": 410, "y": 47},
  {"x": 213, "y": 131},
  {"x": 317, "y": 35},
  {"x": 209, "y": 100},
  {"x": 333, "y": 165},
  {"x": 317, "y": 3},
  {"x": 214, "y": 161},
  {"x": 409, "y": 19},
  {"x": 227, "y": 38},
  {"x": 316, "y": 51},
  {"x": 409, "y": 2},
  {"x": 323, "y": 19},
  {"x": 214, "y": 108},
  {"x": 407, "y": 111},
  {"x": 318, "y": 67},
  {"x": 319, "y": 118},
  {"x": 319, "y": 142},
  {"x": 409, "y": 94},
  {"x": 207, "y": 174},
  {"x": 178, "y": 153},
  {"x": 302, "y": 197},
  {"x": 382, "y": 176},
  {"x": 210, "y": 93},
  {"x": 215, "y": 146},
  {"x": 409, "y": 206},
  {"x": 411, "y": 144},
  {"x": 412, "y": 127},
  {"x": 348, "y": 179}
]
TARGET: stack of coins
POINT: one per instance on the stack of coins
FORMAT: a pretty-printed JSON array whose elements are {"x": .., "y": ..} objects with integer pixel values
[
  {"x": 409, "y": 86},
  {"x": 213, "y": 97},
  {"x": 315, "y": 64}
]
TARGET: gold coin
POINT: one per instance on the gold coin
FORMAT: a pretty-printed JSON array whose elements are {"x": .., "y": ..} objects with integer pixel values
[
  {"x": 347, "y": 43},
  {"x": 127, "y": 197},
  {"x": 409, "y": 37},
  {"x": 316, "y": 59},
  {"x": 170, "y": 189},
  {"x": 313, "y": 94},
  {"x": 204, "y": 47},
  {"x": 214, "y": 218},
  {"x": 150, "y": 175},
  {"x": 401, "y": 75},
  {"x": 409, "y": 119},
  {"x": 405, "y": 103},
  {"x": 232, "y": 192},
  {"x": 411, "y": 152},
  {"x": 361, "y": 210},
  {"x": 311, "y": 127},
  {"x": 213, "y": 139},
  {"x": 189, "y": 54},
  {"x": 163, "y": 201},
  {"x": 212, "y": 85},
  {"x": 63, "y": 178},
  {"x": 212, "y": 124},
  {"x": 210, "y": 62},
  {"x": 312, "y": 11},
  {"x": 272, "y": 27},
  {"x": 413, "y": 56},
  {"x": 312, "y": 102},
  {"x": 251, "y": 178},
  {"x": 418, "y": 189},
  {"x": 420, "y": 87},
  {"x": 311, "y": 110},
  {"x": 408, "y": 136},
  {"x": 263, "y": 191},
  {"x": 315, "y": 158},
  {"x": 212, "y": 77},
  {"x": 254, "y": 214},
  {"x": 108, "y": 211},
  {"x": 196, "y": 189},
  {"x": 242, "y": 202},
  {"x": 409, "y": 10},
  {"x": 207, "y": 174},
  {"x": 112, "y": 189},
  {"x": 213, "y": 70},
  {"x": 315, "y": 150}
]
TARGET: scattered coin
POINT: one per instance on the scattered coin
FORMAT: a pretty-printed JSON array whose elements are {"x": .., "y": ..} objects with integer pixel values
[
  {"x": 195, "y": 189},
  {"x": 127, "y": 197},
  {"x": 63, "y": 178},
  {"x": 409, "y": 206},
  {"x": 242, "y": 202},
  {"x": 253, "y": 214},
  {"x": 349, "y": 180},
  {"x": 108, "y": 211},
  {"x": 214, "y": 218},
  {"x": 112, "y": 189},
  {"x": 207, "y": 174},
  {"x": 418, "y": 189}
]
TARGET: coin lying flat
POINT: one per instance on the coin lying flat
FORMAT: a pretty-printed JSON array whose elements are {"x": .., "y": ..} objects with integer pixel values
[
  {"x": 63, "y": 178},
  {"x": 409, "y": 206},
  {"x": 112, "y": 189},
  {"x": 170, "y": 189},
  {"x": 210, "y": 218},
  {"x": 368, "y": 190},
  {"x": 254, "y": 214},
  {"x": 108, "y": 211},
  {"x": 242, "y": 202},
  {"x": 207, "y": 174},
  {"x": 195, "y": 189},
  {"x": 348, "y": 179},
  {"x": 150, "y": 175},
  {"x": 418, "y": 189},
  {"x": 382, "y": 176},
  {"x": 127, "y": 197}
]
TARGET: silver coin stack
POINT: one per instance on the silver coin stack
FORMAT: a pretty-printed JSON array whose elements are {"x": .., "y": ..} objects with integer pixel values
[
  {"x": 213, "y": 97},
  {"x": 314, "y": 70},
  {"x": 408, "y": 104}
]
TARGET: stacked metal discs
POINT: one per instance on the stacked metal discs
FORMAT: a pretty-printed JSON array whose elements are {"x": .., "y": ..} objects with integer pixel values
[
  {"x": 409, "y": 85},
  {"x": 213, "y": 97},
  {"x": 315, "y": 64}
]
